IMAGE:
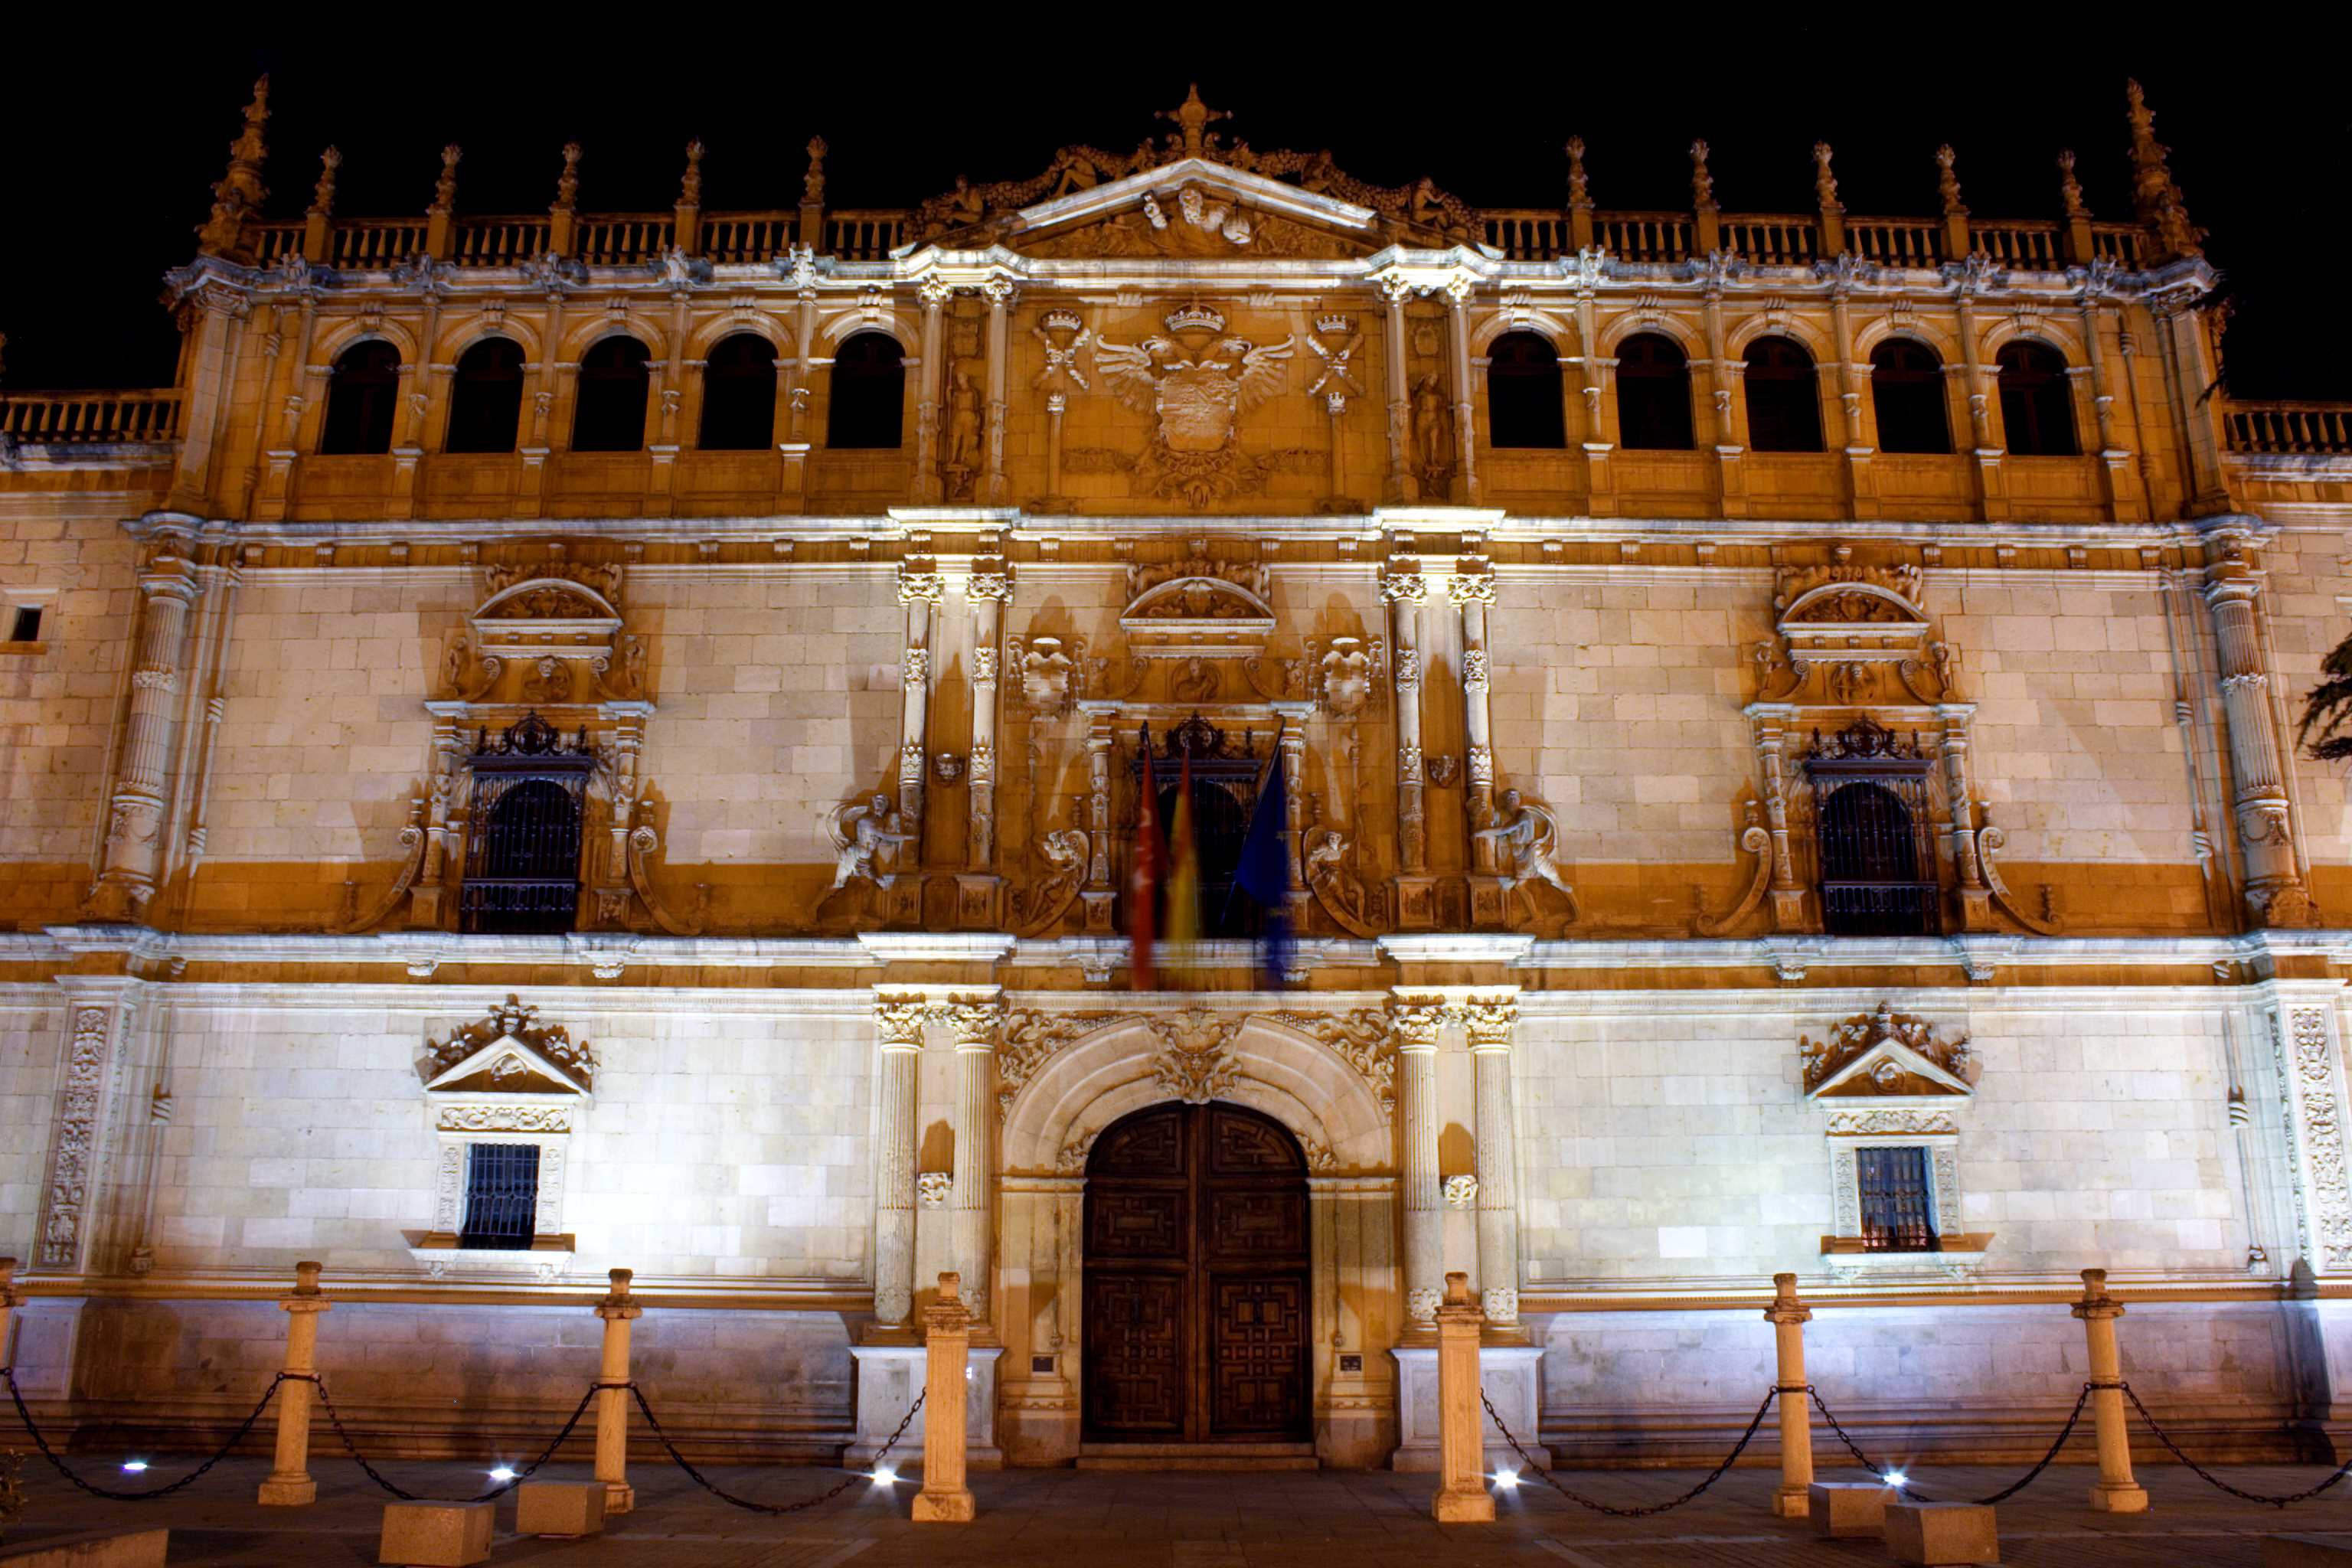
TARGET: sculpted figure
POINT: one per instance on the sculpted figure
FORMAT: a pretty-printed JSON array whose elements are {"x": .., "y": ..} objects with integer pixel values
[
  {"x": 1524, "y": 836},
  {"x": 1433, "y": 426},
  {"x": 963, "y": 420},
  {"x": 862, "y": 835}
]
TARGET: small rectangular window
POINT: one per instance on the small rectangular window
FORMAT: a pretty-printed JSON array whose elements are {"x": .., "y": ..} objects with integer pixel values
[
  {"x": 501, "y": 1195},
  {"x": 24, "y": 625},
  {"x": 1898, "y": 1208}
]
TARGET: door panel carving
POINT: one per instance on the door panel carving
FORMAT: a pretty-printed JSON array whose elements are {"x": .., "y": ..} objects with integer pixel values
[{"x": 1196, "y": 1279}]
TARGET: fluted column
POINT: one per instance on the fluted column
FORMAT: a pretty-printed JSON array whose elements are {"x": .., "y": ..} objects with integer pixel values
[
  {"x": 1471, "y": 587},
  {"x": 1402, "y": 486},
  {"x": 934, "y": 296},
  {"x": 899, "y": 1025},
  {"x": 1466, "y": 485},
  {"x": 2275, "y": 895},
  {"x": 134, "y": 832},
  {"x": 976, "y": 1022},
  {"x": 1414, "y": 1022},
  {"x": 1490, "y": 1020},
  {"x": 920, "y": 591},
  {"x": 1404, "y": 588},
  {"x": 998, "y": 291},
  {"x": 992, "y": 585}
]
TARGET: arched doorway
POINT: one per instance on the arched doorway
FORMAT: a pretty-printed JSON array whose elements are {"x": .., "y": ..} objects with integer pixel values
[{"x": 1196, "y": 1264}]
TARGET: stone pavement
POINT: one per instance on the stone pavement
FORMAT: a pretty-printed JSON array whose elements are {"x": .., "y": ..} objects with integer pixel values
[{"x": 1331, "y": 1519}]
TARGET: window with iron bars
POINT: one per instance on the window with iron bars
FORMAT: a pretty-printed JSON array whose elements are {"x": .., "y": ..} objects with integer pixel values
[
  {"x": 522, "y": 853},
  {"x": 502, "y": 1196},
  {"x": 1898, "y": 1206},
  {"x": 1871, "y": 832}
]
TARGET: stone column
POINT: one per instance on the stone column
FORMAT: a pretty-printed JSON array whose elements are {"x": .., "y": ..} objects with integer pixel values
[
  {"x": 947, "y": 1342},
  {"x": 213, "y": 315},
  {"x": 1462, "y": 1495},
  {"x": 1404, "y": 588},
  {"x": 2275, "y": 895},
  {"x": 998, "y": 292},
  {"x": 1402, "y": 486},
  {"x": 1968, "y": 868},
  {"x": 920, "y": 591},
  {"x": 1293, "y": 809},
  {"x": 1471, "y": 587},
  {"x": 1098, "y": 898},
  {"x": 290, "y": 1484},
  {"x": 1467, "y": 486},
  {"x": 1786, "y": 893},
  {"x": 935, "y": 295},
  {"x": 1490, "y": 1020},
  {"x": 1788, "y": 1317},
  {"x": 992, "y": 585},
  {"x": 976, "y": 1021},
  {"x": 135, "y": 831},
  {"x": 803, "y": 343},
  {"x": 898, "y": 1021},
  {"x": 618, "y": 1311},
  {"x": 1414, "y": 1022},
  {"x": 1992, "y": 502},
  {"x": 2114, "y": 1491}
]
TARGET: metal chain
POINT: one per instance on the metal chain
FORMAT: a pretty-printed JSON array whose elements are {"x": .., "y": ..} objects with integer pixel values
[
  {"x": 1908, "y": 1489},
  {"x": 59, "y": 1465},
  {"x": 707, "y": 1484},
  {"x": 2203, "y": 1474},
  {"x": 1543, "y": 1473},
  {"x": 494, "y": 1493}
]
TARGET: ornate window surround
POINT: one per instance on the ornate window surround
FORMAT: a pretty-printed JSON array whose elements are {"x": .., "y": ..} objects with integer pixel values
[{"x": 508, "y": 1078}]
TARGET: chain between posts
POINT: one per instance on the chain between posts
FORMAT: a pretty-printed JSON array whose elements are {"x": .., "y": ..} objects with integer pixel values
[
  {"x": 17, "y": 1397},
  {"x": 1543, "y": 1472},
  {"x": 2283, "y": 1500},
  {"x": 707, "y": 1484},
  {"x": 1867, "y": 1463},
  {"x": 494, "y": 1493}
]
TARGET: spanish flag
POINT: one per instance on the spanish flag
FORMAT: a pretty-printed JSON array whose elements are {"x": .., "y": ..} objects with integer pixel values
[
  {"x": 1183, "y": 864},
  {"x": 1143, "y": 871}
]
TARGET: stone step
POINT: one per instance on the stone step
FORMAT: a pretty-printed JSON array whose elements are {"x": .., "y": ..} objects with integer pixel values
[{"x": 1198, "y": 1456}]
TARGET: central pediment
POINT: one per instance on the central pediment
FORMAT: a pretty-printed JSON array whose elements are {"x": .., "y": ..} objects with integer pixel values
[{"x": 1196, "y": 209}]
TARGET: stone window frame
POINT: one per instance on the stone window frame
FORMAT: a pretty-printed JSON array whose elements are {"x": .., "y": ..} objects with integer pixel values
[
  {"x": 546, "y": 1114},
  {"x": 1933, "y": 1131}
]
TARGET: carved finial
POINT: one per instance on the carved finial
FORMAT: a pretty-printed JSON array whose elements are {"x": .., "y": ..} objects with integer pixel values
[
  {"x": 1947, "y": 182},
  {"x": 306, "y": 1279},
  {"x": 1702, "y": 183},
  {"x": 1580, "y": 193},
  {"x": 813, "y": 184},
  {"x": 1457, "y": 1288},
  {"x": 239, "y": 192},
  {"x": 567, "y": 184},
  {"x": 1824, "y": 182},
  {"x": 1192, "y": 118},
  {"x": 2070, "y": 189},
  {"x": 444, "y": 189},
  {"x": 2156, "y": 199},
  {"x": 323, "y": 194},
  {"x": 689, "y": 188},
  {"x": 950, "y": 1287}
]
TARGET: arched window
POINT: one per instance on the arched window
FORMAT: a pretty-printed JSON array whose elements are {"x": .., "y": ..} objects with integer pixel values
[
  {"x": 1784, "y": 405},
  {"x": 1523, "y": 407},
  {"x": 486, "y": 397},
  {"x": 610, "y": 413},
  {"x": 1875, "y": 879},
  {"x": 361, "y": 396},
  {"x": 1653, "y": 410},
  {"x": 739, "y": 395},
  {"x": 1906, "y": 390},
  {"x": 2037, "y": 406},
  {"x": 869, "y": 393}
]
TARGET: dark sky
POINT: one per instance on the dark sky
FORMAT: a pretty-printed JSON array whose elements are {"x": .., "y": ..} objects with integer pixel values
[{"x": 115, "y": 147}]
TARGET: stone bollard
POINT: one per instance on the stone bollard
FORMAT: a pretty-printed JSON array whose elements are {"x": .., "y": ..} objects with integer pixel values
[
  {"x": 619, "y": 1309},
  {"x": 1462, "y": 1495},
  {"x": 290, "y": 1484},
  {"x": 1788, "y": 1317},
  {"x": 2114, "y": 1491},
  {"x": 947, "y": 1345}
]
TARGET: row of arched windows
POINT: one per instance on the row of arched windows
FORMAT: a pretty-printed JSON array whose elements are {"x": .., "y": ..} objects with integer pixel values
[
  {"x": 1784, "y": 407},
  {"x": 608, "y": 412}
]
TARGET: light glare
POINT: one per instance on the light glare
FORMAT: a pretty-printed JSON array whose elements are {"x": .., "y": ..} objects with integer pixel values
[
  {"x": 883, "y": 1475},
  {"x": 135, "y": 1466},
  {"x": 1895, "y": 1478},
  {"x": 1508, "y": 1480},
  {"x": 503, "y": 1473}
]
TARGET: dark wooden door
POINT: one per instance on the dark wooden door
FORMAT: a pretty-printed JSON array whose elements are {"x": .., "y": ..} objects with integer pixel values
[{"x": 1196, "y": 1269}]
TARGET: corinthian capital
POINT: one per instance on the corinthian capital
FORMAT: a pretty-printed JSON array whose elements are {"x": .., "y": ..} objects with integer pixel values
[
  {"x": 1489, "y": 1019},
  {"x": 1414, "y": 1019},
  {"x": 976, "y": 1021},
  {"x": 898, "y": 1020},
  {"x": 921, "y": 587}
]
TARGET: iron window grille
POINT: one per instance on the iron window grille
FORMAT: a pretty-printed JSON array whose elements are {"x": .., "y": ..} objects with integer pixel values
[
  {"x": 502, "y": 1196},
  {"x": 1872, "y": 836},
  {"x": 522, "y": 852},
  {"x": 1898, "y": 1206},
  {"x": 1226, "y": 776}
]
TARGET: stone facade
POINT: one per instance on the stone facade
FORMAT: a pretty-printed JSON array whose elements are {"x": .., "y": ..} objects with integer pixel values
[{"x": 1206, "y": 438}]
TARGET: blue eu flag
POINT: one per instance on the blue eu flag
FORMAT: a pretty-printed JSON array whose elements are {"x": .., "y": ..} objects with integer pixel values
[{"x": 1264, "y": 872}]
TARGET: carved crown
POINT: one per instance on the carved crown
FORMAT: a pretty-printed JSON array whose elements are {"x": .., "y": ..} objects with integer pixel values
[
  {"x": 1063, "y": 322},
  {"x": 1195, "y": 319},
  {"x": 1334, "y": 326}
]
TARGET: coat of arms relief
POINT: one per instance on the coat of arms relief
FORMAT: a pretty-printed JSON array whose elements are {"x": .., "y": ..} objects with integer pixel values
[{"x": 1195, "y": 383}]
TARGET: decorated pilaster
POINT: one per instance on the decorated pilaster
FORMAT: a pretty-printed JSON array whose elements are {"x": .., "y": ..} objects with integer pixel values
[
  {"x": 998, "y": 291},
  {"x": 976, "y": 1022},
  {"x": 1471, "y": 587},
  {"x": 1490, "y": 1019},
  {"x": 899, "y": 1025},
  {"x": 1404, "y": 588},
  {"x": 2305, "y": 1059},
  {"x": 920, "y": 589},
  {"x": 1968, "y": 866},
  {"x": 1099, "y": 897},
  {"x": 1992, "y": 491},
  {"x": 1402, "y": 486},
  {"x": 1467, "y": 489},
  {"x": 1414, "y": 1022},
  {"x": 934, "y": 296},
  {"x": 100, "y": 1012},
  {"x": 168, "y": 585},
  {"x": 1786, "y": 894},
  {"x": 990, "y": 587},
  {"x": 2275, "y": 894}
]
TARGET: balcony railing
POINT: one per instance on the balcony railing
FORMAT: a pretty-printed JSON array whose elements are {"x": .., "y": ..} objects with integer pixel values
[
  {"x": 1895, "y": 241},
  {"x": 1643, "y": 236},
  {"x": 498, "y": 241},
  {"x": 1772, "y": 239},
  {"x": 2315, "y": 428},
  {"x": 625, "y": 241},
  {"x": 88, "y": 418},
  {"x": 734, "y": 238},
  {"x": 868, "y": 236},
  {"x": 1526, "y": 234}
]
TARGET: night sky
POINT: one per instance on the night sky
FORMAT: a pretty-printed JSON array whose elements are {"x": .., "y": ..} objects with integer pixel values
[{"x": 114, "y": 149}]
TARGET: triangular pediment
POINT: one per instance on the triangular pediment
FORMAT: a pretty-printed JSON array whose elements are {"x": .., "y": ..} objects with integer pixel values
[
  {"x": 1198, "y": 210},
  {"x": 1891, "y": 1069},
  {"x": 507, "y": 1066}
]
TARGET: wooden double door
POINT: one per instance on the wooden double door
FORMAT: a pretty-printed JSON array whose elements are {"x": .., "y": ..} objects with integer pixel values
[{"x": 1196, "y": 1279}]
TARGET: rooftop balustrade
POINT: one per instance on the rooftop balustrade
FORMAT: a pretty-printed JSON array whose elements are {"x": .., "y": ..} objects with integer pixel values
[
  {"x": 2316, "y": 429},
  {"x": 88, "y": 418}
]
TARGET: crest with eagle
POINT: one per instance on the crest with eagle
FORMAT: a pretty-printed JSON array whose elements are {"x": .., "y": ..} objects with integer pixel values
[{"x": 1196, "y": 384}]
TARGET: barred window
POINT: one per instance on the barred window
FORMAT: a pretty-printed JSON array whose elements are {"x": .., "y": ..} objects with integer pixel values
[
  {"x": 1872, "y": 833},
  {"x": 1899, "y": 1207},
  {"x": 501, "y": 1195}
]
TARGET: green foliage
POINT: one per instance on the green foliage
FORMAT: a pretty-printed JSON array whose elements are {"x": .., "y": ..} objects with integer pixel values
[{"x": 2328, "y": 708}]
